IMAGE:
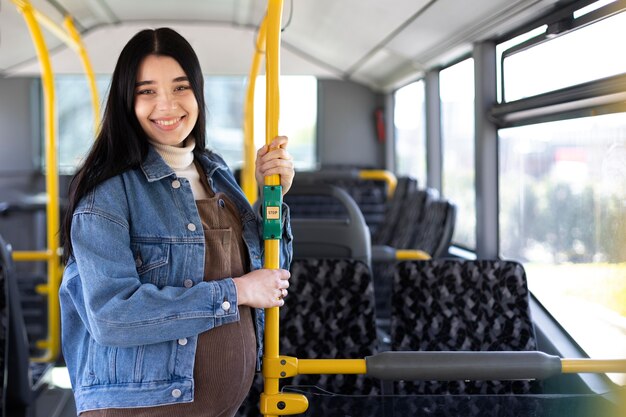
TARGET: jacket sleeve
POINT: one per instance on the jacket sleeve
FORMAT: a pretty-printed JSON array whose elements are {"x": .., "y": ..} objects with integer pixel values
[{"x": 120, "y": 309}]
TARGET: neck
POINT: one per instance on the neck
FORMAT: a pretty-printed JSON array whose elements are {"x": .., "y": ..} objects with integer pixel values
[{"x": 177, "y": 157}]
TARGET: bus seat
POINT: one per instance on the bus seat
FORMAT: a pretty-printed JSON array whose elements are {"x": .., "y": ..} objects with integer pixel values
[
  {"x": 411, "y": 214},
  {"x": 455, "y": 305},
  {"x": 386, "y": 230},
  {"x": 4, "y": 330},
  {"x": 433, "y": 233},
  {"x": 329, "y": 314},
  {"x": 23, "y": 379},
  {"x": 369, "y": 195},
  {"x": 344, "y": 237}
]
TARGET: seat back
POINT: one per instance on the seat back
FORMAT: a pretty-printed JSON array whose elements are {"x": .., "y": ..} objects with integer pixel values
[
  {"x": 329, "y": 314},
  {"x": 18, "y": 386},
  {"x": 4, "y": 329},
  {"x": 369, "y": 195},
  {"x": 345, "y": 236},
  {"x": 434, "y": 231},
  {"x": 386, "y": 230},
  {"x": 454, "y": 305}
]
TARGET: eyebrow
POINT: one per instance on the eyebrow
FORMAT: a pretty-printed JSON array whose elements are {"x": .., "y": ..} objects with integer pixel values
[{"x": 176, "y": 80}]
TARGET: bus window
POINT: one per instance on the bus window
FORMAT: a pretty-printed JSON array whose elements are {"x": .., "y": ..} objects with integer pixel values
[
  {"x": 563, "y": 213},
  {"x": 298, "y": 117},
  {"x": 410, "y": 131},
  {"x": 224, "y": 98},
  {"x": 589, "y": 53},
  {"x": 457, "y": 135},
  {"x": 75, "y": 118}
]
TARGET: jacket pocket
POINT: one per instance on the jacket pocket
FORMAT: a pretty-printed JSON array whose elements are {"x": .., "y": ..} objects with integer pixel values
[{"x": 151, "y": 260}]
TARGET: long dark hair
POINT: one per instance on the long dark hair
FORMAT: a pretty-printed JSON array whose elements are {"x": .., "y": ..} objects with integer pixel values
[{"x": 122, "y": 144}]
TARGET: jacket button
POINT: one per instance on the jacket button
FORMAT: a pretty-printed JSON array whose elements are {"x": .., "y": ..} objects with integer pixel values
[
  {"x": 225, "y": 306},
  {"x": 188, "y": 283},
  {"x": 175, "y": 184},
  {"x": 191, "y": 227},
  {"x": 176, "y": 393},
  {"x": 138, "y": 262},
  {"x": 182, "y": 341},
  {"x": 221, "y": 203}
]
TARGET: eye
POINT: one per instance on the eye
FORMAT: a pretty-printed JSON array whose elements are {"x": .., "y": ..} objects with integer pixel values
[
  {"x": 182, "y": 88},
  {"x": 145, "y": 92}
]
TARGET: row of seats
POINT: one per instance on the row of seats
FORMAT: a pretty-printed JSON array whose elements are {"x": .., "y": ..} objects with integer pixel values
[
  {"x": 23, "y": 379},
  {"x": 417, "y": 219},
  {"x": 438, "y": 305}
]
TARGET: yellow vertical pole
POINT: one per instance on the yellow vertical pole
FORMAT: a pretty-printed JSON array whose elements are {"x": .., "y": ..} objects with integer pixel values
[
  {"x": 272, "y": 104},
  {"x": 248, "y": 181},
  {"x": 91, "y": 78},
  {"x": 52, "y": 187}
]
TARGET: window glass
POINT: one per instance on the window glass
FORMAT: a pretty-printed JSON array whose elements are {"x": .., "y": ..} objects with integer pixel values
[
  {"x": 586, "y": 54},
  {"x": 298, "y": 117},
  {"x": 457, "y": 135},
  {"x": 410, "y": 131},
  {"x": 224, "y": 99},
  {"x": 563, "y": 213},
  {"x": 75, "y": 121}
]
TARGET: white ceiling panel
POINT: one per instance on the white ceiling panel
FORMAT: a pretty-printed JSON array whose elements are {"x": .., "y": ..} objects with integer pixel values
[
  {"x": 451, "y": 24},
  {"x": 379, "y": 43},
  {"x": 229, "y": 54},
  {"x": 343, "y": 32}
]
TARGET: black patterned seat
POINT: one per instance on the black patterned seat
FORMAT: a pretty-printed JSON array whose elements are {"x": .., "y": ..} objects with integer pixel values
[
  {"x": 387, "y": 229},
  {"x": 433, "y": 233},
  {"x": 453, "y": 305},
  {"x": 329, "y": 314}
]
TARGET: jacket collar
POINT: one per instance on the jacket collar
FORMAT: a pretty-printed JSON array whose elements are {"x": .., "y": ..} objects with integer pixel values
[{"x": 155, "y": 168}]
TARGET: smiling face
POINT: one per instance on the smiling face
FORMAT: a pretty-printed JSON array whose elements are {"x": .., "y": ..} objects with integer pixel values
[{"x": 165, "y": 105}]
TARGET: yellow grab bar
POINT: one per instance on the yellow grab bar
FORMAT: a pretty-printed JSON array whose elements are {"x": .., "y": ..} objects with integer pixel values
[
  {"x": 91, "y": 78},
  {"x": 382, "y": 175},
  {"x": 411, "y": 255},
  {"x": 248, "y": 181},
  {"x": 52, "y": 344}
]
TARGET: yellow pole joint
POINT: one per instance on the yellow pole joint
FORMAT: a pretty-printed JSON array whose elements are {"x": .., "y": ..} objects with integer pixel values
[
  {"x": 283, "y": 404},
  {"x": 280, "y": 367}
]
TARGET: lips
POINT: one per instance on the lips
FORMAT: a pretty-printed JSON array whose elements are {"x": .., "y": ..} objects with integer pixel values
[{"x": 168, "y": 123}]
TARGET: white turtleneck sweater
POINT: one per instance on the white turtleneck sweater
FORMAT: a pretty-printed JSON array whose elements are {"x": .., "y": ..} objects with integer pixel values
[{"x": 181, "y": 161}]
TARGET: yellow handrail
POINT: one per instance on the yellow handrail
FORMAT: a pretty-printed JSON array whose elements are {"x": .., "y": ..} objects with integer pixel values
[
  {"x": 91, "y": 78},
  {"x": 381, "y": 175},
  {"x": 70, "y": 37},
  {"x": 411, "y": 255},
  {"x": 52, "y": 344},
  {"x": 248, "y": 181}
]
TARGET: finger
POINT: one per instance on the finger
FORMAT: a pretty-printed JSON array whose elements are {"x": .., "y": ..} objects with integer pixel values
[
  {"x": 279, "y": 142},
  {"x": 285, "y": 293},
  {"x": 279, "y": 153},
  {"x": 275, "y": 164},
  {"x": 262, "y": 150}
]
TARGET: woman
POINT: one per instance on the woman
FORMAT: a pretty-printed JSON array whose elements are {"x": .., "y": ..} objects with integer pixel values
[{"x": 163, "y": 289}]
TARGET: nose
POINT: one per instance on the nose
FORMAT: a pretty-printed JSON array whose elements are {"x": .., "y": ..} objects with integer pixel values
[{"x": 166, "y": 101}]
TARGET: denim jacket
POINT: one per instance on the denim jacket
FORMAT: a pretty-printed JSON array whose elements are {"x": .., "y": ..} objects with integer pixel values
[{"x": 133, "y": 299}]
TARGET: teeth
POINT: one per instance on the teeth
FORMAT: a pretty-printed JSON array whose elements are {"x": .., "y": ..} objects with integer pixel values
[{"x": 167, "y": 122}]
